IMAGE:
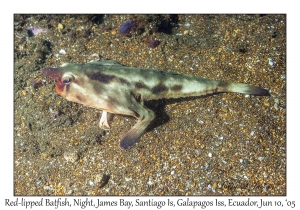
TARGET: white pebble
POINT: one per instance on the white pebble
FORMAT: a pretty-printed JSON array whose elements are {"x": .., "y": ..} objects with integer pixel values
[
  {"x": 62, "y": 51},
  {"x": 261, "y": 158},
  {"x": 128, "y": 179},
  {"x": 271, "y": 63}
]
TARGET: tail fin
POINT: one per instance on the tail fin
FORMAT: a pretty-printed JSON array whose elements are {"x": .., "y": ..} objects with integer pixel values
[{"x": 246, "y": 89}]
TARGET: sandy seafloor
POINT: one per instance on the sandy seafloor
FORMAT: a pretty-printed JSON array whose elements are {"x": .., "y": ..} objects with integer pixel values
[{"x": 225, "y": 144}]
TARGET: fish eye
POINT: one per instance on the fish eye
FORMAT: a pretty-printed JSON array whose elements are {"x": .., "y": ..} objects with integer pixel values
[{"x": 66, "y": 80}]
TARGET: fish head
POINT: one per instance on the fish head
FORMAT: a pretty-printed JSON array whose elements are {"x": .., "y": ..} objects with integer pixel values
[{"x": 68, "y": 78}]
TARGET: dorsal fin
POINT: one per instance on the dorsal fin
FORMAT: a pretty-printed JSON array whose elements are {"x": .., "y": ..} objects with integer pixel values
[{"x": 106, "y": 63}]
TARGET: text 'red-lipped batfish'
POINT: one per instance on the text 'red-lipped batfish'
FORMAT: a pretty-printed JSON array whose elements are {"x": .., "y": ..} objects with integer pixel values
[{"x": 113, "y": 88}]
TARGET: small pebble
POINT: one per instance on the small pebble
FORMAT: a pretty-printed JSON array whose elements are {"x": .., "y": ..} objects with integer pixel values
[
  {"x": 247, "y": 162},
  {"x": 69, "y": 122},
  {"x": 186, "y": 32},
  {"x": 71, "y": 156},
  {"x": 276, "y": 105},
  {"x": 128, "y": 179},
  {"x": 271, "y": 63},
  {"x": 207, "y": 165},
  {"x": 60, "y": 26},
  {"x": 127, "y": 27},
  {"x": 261, "y": 158},
  {"x": 62, "y": 51},
  {"x": 102, "y": 180}
]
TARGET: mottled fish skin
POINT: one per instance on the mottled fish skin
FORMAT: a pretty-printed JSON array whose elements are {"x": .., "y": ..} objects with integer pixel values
[{"x": 113, "y": 88}]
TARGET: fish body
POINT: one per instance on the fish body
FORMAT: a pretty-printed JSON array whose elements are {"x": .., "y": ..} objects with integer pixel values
[{"x": 113, "y": 88}]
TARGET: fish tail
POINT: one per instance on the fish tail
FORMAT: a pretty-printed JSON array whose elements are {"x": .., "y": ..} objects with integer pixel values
[{"x": 244, "y": 89}]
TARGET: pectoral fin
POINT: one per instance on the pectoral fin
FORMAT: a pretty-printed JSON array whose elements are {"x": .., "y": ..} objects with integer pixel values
[
  {"x": 103, "y": 124},
  {"x": 145, "y": 117}
]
